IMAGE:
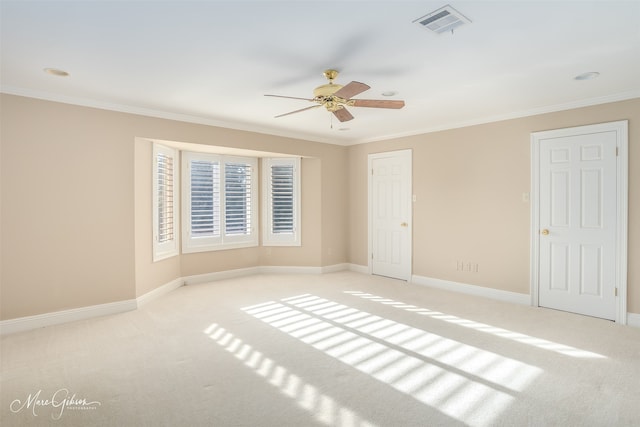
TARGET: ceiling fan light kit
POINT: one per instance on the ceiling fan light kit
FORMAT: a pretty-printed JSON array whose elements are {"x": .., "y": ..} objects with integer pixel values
[{"x": 335, "y": 98}]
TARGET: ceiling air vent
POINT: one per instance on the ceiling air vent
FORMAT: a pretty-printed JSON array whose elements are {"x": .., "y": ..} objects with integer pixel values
[{"x": 442, "y": 20}]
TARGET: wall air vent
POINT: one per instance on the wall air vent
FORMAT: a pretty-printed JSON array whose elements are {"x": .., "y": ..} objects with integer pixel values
[{"x": 442, "y": 20}]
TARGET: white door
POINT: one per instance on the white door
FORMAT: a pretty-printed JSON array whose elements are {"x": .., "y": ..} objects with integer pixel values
[
  {"x": 578, "y": 220},
  {"x": 390, "y": 214}
]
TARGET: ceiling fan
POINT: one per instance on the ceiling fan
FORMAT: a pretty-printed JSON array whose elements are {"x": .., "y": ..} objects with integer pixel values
[{"x": 335, "y": 98}]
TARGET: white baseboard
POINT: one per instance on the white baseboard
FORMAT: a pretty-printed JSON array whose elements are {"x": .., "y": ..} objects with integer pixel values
[
  {"x": 481, "y": 291},
  {"x": 278, "y": 269},
  {"x": 334, "y": 268},
  {"x": 22, "y": 324},
  {"x": 220, "y": 275},
  {"x": 158, "y": 292},
  {"x": 364, "y": 269},
  {"x": 633, "y": 319},
  {"x": 265, "y": 269}
]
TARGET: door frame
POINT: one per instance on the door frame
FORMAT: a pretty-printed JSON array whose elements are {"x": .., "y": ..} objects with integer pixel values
[
  {"x": 371, "y": 158},
  {"x": 622, "y": 195}
]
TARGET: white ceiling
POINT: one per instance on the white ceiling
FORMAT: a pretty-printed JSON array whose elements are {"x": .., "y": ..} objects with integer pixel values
[{"x": 212, "y": 61}]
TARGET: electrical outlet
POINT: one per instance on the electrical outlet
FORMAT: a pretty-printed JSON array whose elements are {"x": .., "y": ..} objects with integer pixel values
[{"x": 471, "y": 267}]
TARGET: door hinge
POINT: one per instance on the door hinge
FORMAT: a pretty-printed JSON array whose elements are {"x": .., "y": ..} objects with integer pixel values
[
  {"x": 371, "y": 255},
  {"x": 371, "y": 171},
  {"x": 616, "y": 151},
  {"x": 616, "y": 291}
]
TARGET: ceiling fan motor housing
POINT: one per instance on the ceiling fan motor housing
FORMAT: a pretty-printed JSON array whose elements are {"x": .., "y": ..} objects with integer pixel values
[{"x": 326, "y": 90}]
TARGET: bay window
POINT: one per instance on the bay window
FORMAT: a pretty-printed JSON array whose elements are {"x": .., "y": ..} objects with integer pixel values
[{"x": 220, "y": 209}]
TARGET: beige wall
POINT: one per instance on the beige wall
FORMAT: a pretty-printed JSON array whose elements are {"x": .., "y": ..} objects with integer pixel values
[
  {"x": 76, "y": 205},
  {"x": 67, "y": 208},
  {"x": 76, "y": 202},
  {"x": 469, "y": 184}
]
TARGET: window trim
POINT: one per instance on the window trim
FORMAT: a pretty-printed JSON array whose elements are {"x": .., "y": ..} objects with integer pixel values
[
  {"x": 205, "y": 244},
  {"x": 170, "y": 248},
  {"x": 268, "y": 237},
  {"x": 198, "y": 244}
]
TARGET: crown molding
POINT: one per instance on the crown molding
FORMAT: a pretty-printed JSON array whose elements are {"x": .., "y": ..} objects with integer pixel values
[
  {"x": 622, "y": 96},
  {"x": 85, "y": 102}
]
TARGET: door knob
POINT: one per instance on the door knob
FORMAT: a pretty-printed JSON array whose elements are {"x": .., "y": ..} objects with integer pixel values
[
  {"x": 544, "y": 232},
  {"x": 404, "y": 224}
]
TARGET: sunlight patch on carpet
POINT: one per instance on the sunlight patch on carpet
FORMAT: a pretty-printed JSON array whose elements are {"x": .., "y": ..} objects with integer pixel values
[
  {"x": 481, "y": 327},
  {"x": 461, "y": 381},
  {"x": 324, "y": 408}
]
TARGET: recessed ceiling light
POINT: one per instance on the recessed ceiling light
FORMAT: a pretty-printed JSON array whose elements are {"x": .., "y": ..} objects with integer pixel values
[
  {"x": 389, "y": 93},
  {"x": 587, "y": 76},
  {"x": 56, "y": 72}
]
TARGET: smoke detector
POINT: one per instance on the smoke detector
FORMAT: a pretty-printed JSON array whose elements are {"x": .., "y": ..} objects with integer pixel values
[{"x": 442, "y": 20}]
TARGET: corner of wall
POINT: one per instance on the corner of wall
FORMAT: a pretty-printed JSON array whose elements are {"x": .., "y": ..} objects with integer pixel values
[{"x": 633, "y": 319}]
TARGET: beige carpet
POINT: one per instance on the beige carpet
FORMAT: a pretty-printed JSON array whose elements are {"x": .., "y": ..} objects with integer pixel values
[{"x": 341, "y": 349}]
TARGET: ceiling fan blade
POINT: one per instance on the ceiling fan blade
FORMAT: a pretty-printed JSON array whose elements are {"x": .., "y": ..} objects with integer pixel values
[
  {"x": 290, "y": 97},
  {"x": 343, "y": 115},
  {"x": 378, "y": 103},
  {"x": 298, "y": 111},
  {"x": 351, "y": 90}
]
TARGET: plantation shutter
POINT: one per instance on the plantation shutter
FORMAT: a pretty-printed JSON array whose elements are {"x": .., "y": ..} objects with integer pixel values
[
  {"x": 282, "y": 199},
  {"x": 205, "y": 198},
  {"x": 238, "y": 198},
  {"x": 165, "y": 198},
  {"x": 165, "y": 202},
  {"x": 219, "y": 202}
]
